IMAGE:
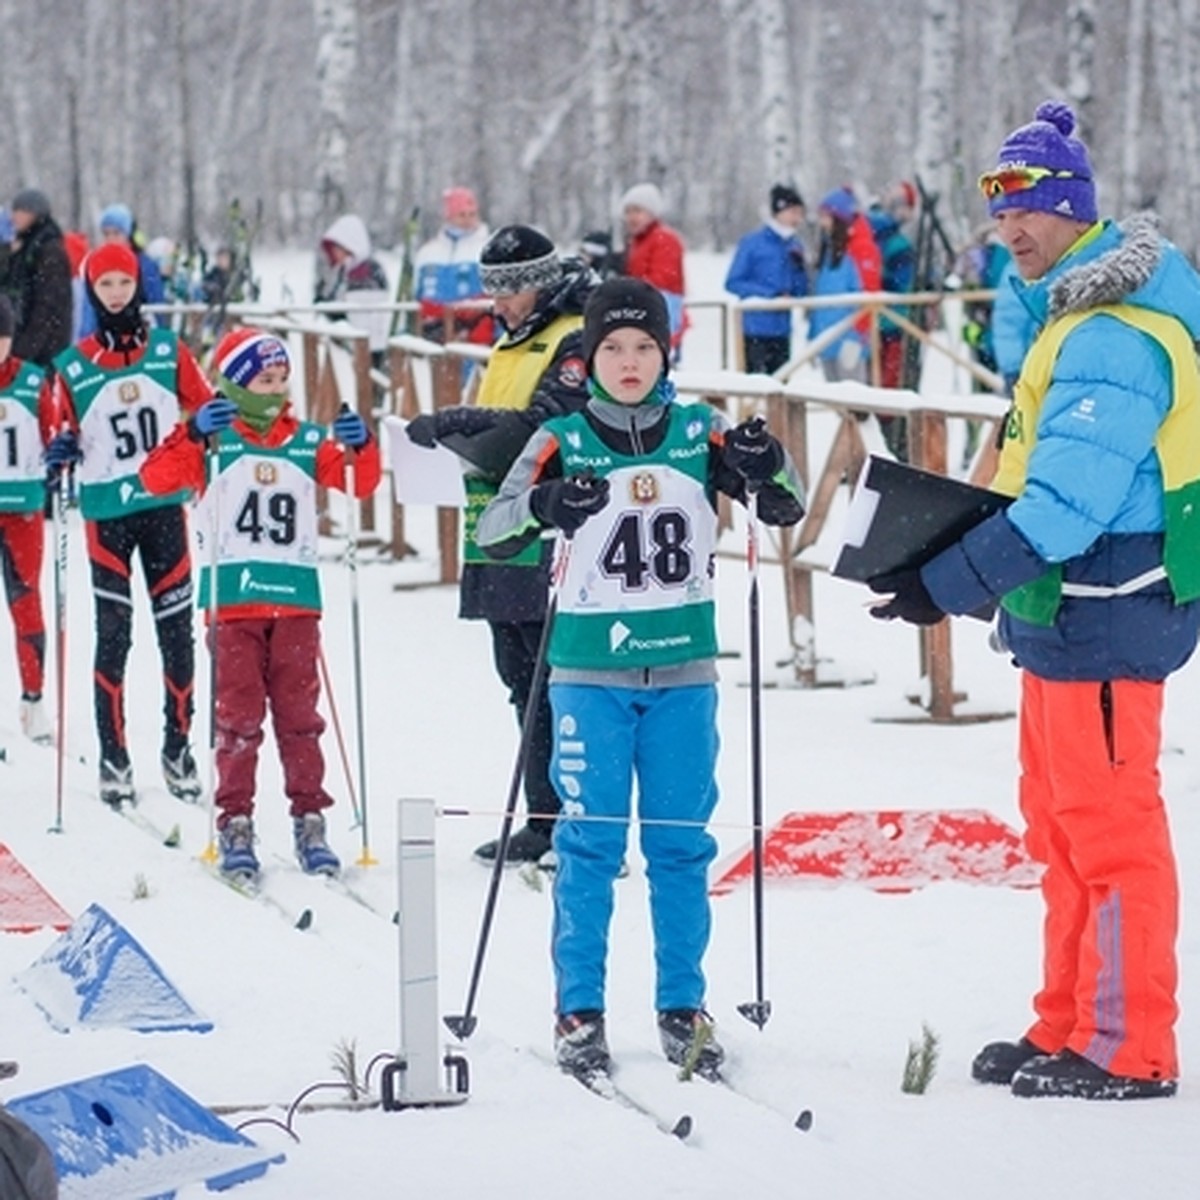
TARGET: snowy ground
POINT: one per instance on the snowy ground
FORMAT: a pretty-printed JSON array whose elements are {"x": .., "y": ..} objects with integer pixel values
[{"x": 852, "y": 974}]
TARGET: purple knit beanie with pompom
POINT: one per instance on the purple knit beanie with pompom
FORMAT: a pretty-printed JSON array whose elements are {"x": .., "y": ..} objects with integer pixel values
[{"x": 1047, "y": 142}]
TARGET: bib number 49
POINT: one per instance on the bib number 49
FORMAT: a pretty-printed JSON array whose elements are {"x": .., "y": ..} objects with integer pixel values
[
  {"x": 272, "y": 517},
  {"x": 639, "y": 550}
]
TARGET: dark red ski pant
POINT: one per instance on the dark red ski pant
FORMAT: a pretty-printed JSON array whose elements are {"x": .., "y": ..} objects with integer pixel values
[
  {"x": 22, "y": 537},
  {"x": 1090, "y": 795},
  {"x": 261, "y": 661}
]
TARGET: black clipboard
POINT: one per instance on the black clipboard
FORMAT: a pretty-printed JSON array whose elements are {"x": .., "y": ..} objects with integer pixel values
[
  {"x": 493, "y": 451},
  {"x": 901, "y": 517}
]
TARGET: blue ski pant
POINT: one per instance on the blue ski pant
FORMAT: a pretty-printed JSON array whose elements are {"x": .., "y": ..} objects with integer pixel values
[{"x": 604, "y": 738}]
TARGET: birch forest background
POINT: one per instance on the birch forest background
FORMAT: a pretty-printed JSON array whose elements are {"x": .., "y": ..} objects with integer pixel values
[{"x": 551, "y": 108}]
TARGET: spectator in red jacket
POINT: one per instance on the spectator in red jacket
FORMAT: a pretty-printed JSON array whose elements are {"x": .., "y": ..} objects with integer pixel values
[
  {"x": 860, "y": 245},
  {"x": 654, "y": 252}
]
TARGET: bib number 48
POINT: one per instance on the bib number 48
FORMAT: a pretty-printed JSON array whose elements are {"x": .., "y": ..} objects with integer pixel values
[{"x": 639, "y": 550}]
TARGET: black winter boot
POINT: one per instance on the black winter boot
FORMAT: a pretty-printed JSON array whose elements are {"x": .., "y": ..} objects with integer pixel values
[
  {"x": 998, "y": 1062},
  {"x": 525, "y": 846},
  {"x": 1070, "y": 1074}
]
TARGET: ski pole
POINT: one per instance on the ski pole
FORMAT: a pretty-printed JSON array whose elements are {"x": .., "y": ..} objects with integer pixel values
[
  {"x": 758, "y": 1009},
  {"x": 327, "y": 683},
  {"x": 213, "y": 455},
  {"x": 365, "y": 859},
  {"x": 463, "y": 1026},
  {"x": 61, "y": 492}
]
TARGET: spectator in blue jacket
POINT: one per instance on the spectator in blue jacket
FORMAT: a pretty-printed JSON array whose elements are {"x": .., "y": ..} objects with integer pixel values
[{"x": 770, "y": 262}]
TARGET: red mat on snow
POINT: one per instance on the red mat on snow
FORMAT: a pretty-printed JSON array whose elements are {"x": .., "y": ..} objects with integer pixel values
[
  {"x": 892, "y": 851},
  {"x": 24, "y": 904}
]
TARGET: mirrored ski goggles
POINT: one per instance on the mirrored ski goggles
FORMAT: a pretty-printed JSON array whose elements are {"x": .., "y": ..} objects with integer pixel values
[{"x": 1005, "y": 181}]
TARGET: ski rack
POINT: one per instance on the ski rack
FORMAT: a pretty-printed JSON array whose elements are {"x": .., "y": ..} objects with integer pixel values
[{"x": 413, "y": 1079}]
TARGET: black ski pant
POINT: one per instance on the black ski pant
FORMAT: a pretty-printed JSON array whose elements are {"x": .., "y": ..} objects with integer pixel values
[
  {"x": 514, "y": 648},
  {"x": 159, "y": 538},
  {"x": 765, "y": 355}
]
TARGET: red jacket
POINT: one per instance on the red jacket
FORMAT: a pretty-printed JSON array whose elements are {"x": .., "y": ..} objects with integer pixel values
[
  {"x": 868, "y": 258},
  {"x": 656, "y": 255},
  {"x": 179, "y": 462}
]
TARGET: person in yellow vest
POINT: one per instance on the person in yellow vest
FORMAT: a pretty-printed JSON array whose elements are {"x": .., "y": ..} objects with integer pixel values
[
  {"x": 1096, "y": 566},
  {"x": 537, "y": 371}
]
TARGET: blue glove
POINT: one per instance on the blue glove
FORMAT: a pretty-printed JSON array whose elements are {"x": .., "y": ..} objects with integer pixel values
[
  {"x": 350, "y": 429},
  {"x": 63, "y": 451},
  {"x": 212, "y": 417}
]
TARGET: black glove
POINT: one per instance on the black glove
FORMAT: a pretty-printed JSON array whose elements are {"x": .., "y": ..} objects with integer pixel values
[
  {"x": 429, "y": 428},
  {"x": 752, "y": 452},
  {"x": 567, "y": 503},
  {"x": 910, "y": 600}
]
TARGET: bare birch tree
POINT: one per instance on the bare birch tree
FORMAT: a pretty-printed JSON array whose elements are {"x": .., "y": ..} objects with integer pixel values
[
  {"x": 936, "y": 126},
  {"x": 1081, "y": 55},
  {"x": 337, "y": 47},
  {"x": 776, "y": 102},
  {"x": 1131, "y": 116}
]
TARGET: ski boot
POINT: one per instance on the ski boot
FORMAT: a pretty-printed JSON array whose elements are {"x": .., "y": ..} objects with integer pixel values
[
  {"x": 580, "y": 1047},
  {"x": 312, "y": 850},
  {"x": 236, "y": 846},
  {"x": 688, "y": 1040},
  {"x": 35, "y": 723},
  {"x": 116, "y": 782},
  {"x": 179, "y": 774}
]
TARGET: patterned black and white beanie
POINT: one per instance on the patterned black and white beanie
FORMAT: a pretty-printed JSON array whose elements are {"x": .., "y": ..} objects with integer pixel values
[{"x": 518, "y": 259}]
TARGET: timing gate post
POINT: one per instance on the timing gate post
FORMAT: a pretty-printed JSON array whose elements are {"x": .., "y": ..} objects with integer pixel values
[{"x": 422, "y": 1073}]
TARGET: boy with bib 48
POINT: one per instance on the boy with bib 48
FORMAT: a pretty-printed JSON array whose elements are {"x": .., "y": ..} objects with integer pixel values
[
  {"x": 118, "y": 391},
  {"x": 266, "y": 468},
  {"x": 633, "y": 479}
]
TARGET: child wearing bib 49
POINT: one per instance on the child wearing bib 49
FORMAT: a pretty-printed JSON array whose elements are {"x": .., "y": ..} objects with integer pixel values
[
  {"x": 633, "y": 479},
  {"x": 267, "y": 468}
]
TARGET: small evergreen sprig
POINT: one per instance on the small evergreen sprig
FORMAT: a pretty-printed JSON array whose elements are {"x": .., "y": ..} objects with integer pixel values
[{"x": 920, "y": 1066}]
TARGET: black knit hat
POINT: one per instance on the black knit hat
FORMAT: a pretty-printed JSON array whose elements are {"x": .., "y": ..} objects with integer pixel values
[
  {"x": 785, "y": 196},
  {"x": 518, "y": 259},
  {"x": 31, "y": 200},
  {"x": 8, "y": 320},
  {"x": 623, "y": 303}
]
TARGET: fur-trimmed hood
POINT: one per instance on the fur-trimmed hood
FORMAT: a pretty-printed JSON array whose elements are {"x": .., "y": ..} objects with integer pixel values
[{"x": 1129, "y": 263}]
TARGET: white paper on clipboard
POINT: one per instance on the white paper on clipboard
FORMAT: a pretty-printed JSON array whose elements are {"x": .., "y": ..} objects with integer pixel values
[{"x": 420, "y": 475}]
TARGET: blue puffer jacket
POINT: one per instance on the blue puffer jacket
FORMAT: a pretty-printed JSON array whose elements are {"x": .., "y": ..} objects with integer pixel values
[
  {"x": 766, "y": 264},
  {"x": 834, "y": 281},
  {"x": 1013, "y": 326},
  {"x": 1093, "y": 495}
]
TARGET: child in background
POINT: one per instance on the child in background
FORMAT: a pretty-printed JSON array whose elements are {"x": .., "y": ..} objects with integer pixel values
[
  {"x": 26, "y": 425},
  {"x": 266, "y": 470},
  {"x": 118, "y": 390},
  {"x": 633, "y": 480}
]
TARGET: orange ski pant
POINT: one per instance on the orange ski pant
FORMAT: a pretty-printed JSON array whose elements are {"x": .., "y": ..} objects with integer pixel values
[{"x": 1090, "y": 797}]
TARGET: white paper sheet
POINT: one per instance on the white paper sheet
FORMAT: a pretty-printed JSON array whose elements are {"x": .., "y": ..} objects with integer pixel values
[{"x": 421, "y": 476}]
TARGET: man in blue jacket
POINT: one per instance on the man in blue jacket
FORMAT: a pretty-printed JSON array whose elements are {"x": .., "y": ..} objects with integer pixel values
[
  {"x": 767, "y": 263},
  {"x": 1096, "y": 566}
]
